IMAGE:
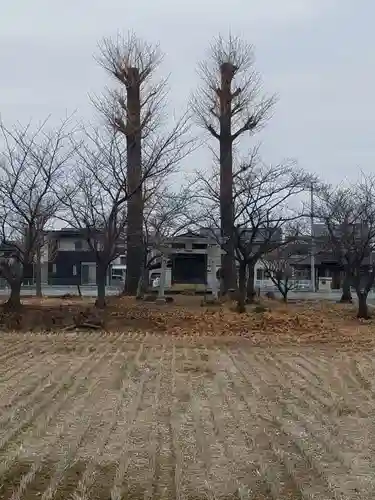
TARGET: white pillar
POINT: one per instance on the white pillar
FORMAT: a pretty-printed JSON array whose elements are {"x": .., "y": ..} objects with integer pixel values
[
  {"x": 163, "y": 272},
  {"x": 212, "y": 254}
]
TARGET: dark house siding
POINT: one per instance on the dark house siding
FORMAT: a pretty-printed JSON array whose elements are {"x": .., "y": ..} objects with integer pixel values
[{"x": 64, "y": 262}]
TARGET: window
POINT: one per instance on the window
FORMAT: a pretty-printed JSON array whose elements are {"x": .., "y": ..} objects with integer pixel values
[
  {"x": 199, "y": 246},
  {"x": 54, "y": 268},
  {"x": 74, "y": 270},
  {"x": 259, "y": 274},
  {"x": 117, "y": 272},
  {"x": 178, "y": 245},
  {"x": 122, "y": 260},
  {"x": 78, "y": 245}
]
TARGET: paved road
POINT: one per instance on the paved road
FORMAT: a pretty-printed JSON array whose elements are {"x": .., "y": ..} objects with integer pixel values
[
  {"x": 334, "y": 295},
  {"x": 56, "y": 291},
  {"x": 91, "y": 291}
]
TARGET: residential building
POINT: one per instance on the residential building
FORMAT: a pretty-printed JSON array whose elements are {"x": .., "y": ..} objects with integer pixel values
[{"x": 70, "y": 258}]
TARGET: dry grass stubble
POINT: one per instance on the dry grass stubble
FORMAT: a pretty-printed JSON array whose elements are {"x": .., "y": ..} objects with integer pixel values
[{"x": 133, "y": 418}]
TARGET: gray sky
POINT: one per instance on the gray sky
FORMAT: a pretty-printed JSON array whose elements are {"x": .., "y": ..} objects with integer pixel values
[{"x": 317, "y": 55}]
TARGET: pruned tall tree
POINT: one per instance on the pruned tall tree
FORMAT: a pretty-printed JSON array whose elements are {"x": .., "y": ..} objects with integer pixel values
[
  {"x": 135, "y": 110},
  {"x": 348, "y": 213},
  {"x": 229, "y": 104},
  {"x": 32, "y": 165}
]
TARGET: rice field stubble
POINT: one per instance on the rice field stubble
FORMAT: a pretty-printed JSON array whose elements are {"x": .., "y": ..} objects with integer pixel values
[{"x": 127, "y": 416}]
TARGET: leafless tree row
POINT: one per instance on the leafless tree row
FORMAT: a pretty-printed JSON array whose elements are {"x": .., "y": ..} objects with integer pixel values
[
  {"x": 31, "y": 170},
  {"x": 115, "y": 182},
  {"x": 348, "y": 213}
]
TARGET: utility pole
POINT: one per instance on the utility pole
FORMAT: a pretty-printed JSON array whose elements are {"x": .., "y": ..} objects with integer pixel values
[{"x": 313, "y": 283}]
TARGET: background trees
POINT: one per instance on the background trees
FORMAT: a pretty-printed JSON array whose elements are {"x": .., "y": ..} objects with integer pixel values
[
  {"x": 95, "y": 199},
  {"x": 348, "y": 214},
  {"x": 264, "y": 218},
  {"x": 32, "y": 164},
  {"x": 279, "y": 264},
  {"x": 229, "y": 104}
]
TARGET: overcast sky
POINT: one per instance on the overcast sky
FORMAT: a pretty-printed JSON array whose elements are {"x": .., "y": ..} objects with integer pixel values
[{"x": 317, "y": 55}]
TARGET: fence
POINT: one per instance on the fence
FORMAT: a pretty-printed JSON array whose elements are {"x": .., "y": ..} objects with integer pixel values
[{"x": 267, "y": 284}]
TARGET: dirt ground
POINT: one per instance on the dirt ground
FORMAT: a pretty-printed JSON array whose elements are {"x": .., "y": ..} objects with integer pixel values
[
  {"x": 268, "y": 323},
  {"x": 96, "y": 416}
]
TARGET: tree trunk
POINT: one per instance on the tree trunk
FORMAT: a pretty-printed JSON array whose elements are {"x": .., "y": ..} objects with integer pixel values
[
  {"x": 139, "y": 294},
  {"x": 346, "y": 296},
  {"x": 38, "y": 273},
  {"x": 282, "y": 286},
  {"x": 241, "y": 300},
  {"x": 134, "y": 254},
  {"x": 250, "y": 289},
  {"x": 142, "y": 283},
  {"x": 101, "y": 279},
  {"x": 226, "y": 177},
  {"x": 362, "y": 305},
  {"x": 14, "y": 301}
]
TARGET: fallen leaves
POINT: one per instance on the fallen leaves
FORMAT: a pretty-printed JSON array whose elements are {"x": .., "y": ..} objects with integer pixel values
[
  {"x": 302, "y": 323},
  {"x": 270, "y": 323}
]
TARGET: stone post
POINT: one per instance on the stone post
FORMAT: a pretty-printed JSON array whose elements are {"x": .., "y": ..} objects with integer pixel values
[
  {"x": 212, "y": 255},
  {"x": 163, "y": 271}
]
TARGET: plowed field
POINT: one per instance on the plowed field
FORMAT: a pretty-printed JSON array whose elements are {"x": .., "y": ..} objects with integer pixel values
[{"x": 93, "y": 416}]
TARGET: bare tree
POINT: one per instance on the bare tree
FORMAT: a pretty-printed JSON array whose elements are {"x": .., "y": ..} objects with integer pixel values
[
  {"x": 167, "y": 214},
  {"x": 349, "y": 216},
  {"x": 42, "y": 220},
  {"x": 263, "y": 218},
  {"x": 135, "y": 110},
  {"x": 229, "y": 104},
  {"x": 31, "y": 167},
  {"x": 280, "y": 266},
  {"x": 97, "y": 203}
]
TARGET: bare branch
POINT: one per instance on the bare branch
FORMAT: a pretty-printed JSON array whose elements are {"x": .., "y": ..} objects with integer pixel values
[
  {"x": 249, "y": 109},
  {"x": 263, "y": 214},
  {"x": 32, "y": 165},
  {"x": 132, "y": 63}
]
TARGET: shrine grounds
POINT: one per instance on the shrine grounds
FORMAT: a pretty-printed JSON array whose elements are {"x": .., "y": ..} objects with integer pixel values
[{"x": 187, "y": 401}]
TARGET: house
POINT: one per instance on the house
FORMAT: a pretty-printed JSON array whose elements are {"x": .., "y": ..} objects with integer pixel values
[
  {"x": 70, "y": 260},
  {"x": 327, "y": 264},
  {"x": 118, "y": 269}
]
